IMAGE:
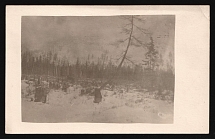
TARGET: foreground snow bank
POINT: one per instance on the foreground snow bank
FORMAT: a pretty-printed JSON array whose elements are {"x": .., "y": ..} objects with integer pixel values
[{"x": 70, "y": 106}]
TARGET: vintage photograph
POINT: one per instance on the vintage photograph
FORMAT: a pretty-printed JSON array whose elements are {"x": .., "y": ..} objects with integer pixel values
[{"x": 98, "y": 69}]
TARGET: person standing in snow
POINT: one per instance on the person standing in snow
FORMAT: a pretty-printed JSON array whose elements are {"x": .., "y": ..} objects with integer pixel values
[
  {"x": 45, "y": 92},
  {"x": 97, "y": 98},
  {"x": 38, "y": 93}
]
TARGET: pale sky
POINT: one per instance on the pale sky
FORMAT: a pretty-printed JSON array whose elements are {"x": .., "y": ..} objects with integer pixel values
[{"x": 74, "y": 37}]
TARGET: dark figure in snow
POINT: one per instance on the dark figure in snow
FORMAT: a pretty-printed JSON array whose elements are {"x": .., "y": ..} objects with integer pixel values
[
  {"x": 97, "y": 100},
  {"x": 41, "y": 93},
  {"x": 38, "y": 90},
  {"x": 56, "y": 85},
  {"x": 38, "y": 93},
  {"x": 45, "y": 91},
  {"x": 82, "y": 92},
  {"x": 121, "y": 94},
  {"x": 64, "y": 87},
  {"x": 98, "y": 96},
  {"x": 50, "y": 85}
]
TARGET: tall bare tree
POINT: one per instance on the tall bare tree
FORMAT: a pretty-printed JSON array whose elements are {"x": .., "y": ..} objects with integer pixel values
[{"x": 131, "y": 40}]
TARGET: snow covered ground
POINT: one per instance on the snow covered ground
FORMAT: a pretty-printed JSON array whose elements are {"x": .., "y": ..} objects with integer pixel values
[{"x": 132, "y": 107}]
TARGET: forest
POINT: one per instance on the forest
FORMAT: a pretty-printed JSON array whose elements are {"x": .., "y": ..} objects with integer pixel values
[{"x": 48, "y": 64}]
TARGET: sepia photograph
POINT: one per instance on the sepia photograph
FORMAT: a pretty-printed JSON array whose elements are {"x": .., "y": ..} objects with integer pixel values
[
  {"x": 107, "y": 69},
  {"x": 100, "y": 69}
]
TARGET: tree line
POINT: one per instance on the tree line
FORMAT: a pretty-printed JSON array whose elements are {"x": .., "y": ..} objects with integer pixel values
[{"x": 51, "y": 64}]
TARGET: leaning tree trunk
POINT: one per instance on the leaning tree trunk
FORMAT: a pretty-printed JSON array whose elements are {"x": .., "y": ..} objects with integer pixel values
[{"x": 124, "y": 56}]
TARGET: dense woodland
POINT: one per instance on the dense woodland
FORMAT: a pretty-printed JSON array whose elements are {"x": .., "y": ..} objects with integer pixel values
[{"x": 49, "y": 64}]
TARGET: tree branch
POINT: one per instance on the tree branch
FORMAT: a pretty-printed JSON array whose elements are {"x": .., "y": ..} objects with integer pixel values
[
  {"x": 125, "y": 30},
  {"x": 123, "y": 40},
  {"x": 126, "y": 25},
  {"x": 137, "y": 40},
  {"x": 119, "y": 42},
  {"x": 124, "y": 56},
  {"x": 134, "y": 44},
  {"x": 130, "y": 61},
  {"x": 119, "y": 58},
  {"x": 141, "y": 20},
  {"x": 142, "y": 30},
  {"x": 141, "y": 44}
]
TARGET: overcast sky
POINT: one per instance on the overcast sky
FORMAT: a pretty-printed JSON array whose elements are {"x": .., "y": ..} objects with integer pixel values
[{"x": 78, "y": 36}]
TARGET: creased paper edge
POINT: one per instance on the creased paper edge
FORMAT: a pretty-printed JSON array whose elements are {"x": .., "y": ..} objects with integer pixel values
[{"x": 205, "y": 10}]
